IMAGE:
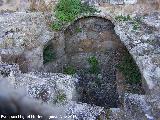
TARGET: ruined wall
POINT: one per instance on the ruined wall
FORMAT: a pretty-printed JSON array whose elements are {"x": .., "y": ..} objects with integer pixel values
[
  {"x": 114, "y": 6},
  {"x": 22, "y": 38}
]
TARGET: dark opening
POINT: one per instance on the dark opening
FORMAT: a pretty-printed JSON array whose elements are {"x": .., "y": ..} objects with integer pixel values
[{"x": 96, "y": 54}]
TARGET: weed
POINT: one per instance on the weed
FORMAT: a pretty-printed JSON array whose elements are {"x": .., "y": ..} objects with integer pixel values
[
  {"x": 67, "y": 10},
  {"x": 78, "y": 29},
  {"x": 123, "y": 18},
  {"x": 130, "y": 70},
  {"x": 60, "y": 98},
  {"x": 57, "y": 25},
  {"x": 135, "y": 22},
  {"x": 48, "y": 54},
  {"x": 136, "y": 25},
  {"x": 94, "y": 65},
  {"x": 69, "y": 70}
]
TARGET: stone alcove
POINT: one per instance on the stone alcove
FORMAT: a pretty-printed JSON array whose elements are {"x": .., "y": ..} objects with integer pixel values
[{"x": 92, "y": 37}]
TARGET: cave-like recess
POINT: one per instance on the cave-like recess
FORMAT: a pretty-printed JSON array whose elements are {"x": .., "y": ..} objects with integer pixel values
[{"x": 93, "y": 37}]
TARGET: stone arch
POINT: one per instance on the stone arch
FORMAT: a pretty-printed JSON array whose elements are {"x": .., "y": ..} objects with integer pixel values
[
  {"x": 107, "y": 36},
  {"x": 100, "y": 41},
  {"x": 98, "y": 15}
]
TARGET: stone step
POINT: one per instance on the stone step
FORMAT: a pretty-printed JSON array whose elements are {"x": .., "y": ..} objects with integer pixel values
[
  {"x": 136, "y": 106},
  {"x": 52, "y": 88},
  {"x": 83, "y": 111},
  {"x": 8, "y": 69},
  {"x": 115, "y": 114}
]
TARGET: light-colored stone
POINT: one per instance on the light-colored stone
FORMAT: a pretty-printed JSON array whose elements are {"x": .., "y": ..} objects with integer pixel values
[{"x": 24, "y": 33}]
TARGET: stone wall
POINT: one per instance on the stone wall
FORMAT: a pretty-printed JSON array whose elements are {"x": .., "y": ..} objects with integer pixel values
[
  {"x": 23, "y": 35},
  {"x": 144, "y": 45},
  {"x": 115, "y": 6}
]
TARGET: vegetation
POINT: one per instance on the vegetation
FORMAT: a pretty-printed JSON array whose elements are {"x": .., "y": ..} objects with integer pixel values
[
  {"x": 70, "y": 70},
  {"x": 130, "y": 70},
  {"x": 61, "y": 97},
  {"x": 57, "y": 25},
  {"x": 94, "y": 65},
  {"x": 78, "y": 29},
  {"x": 48, "y": 54},
  {"x": 136, "y": 25},
  {"x": 67, "y": 10},
  {"x": 123, "y": 18},
  {"x": 135, "y": 22}
]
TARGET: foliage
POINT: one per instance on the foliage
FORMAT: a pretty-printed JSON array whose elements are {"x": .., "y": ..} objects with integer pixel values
[
  {"x": 123, "y": 18},
  {"x": 94, "y": 65},
  {"x": 69, "y": 70},
  {"x": 78, "y": 29},
  {"x": 61, "y": 97},
  {"x": 135, "y": 22},
  {"x": 57, "y": 25},
  {"x": 130, "y": 70},
  {"x": 136, "y": 25},
  {"x": 67, "y": 10},
  {"x": 48, "y": 54}
]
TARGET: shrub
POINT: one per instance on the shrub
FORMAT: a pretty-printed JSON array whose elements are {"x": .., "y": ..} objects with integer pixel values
[
  {"x": 70, "y": 70},
  {"x": 48, "y": 54},
  {"x": 57, "y": 25},
  {"x": 94, "y": 65},
  {"x": 130, "y": 70},
  {"x": 67, "y": 10}
]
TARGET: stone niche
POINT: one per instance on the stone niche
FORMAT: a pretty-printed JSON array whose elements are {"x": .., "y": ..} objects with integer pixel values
[
  {"x": 88, "y": 37},
  {"x": 85, "y": 38},
  {"x": 91, "y": 36}
]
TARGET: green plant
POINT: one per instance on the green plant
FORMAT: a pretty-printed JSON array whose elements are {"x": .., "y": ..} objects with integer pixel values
[
  {"x": 48, "y": 54},
  {"x": 60, "y": 98},
  {"x": 78, "y": 29},
  {"x": 67, "y": 10},
  {"x": 69, "y": 70},
  {"x": 94, "y": 65},
  {"x": 136, "y": 25},
  {"x": 129, "y": 69},
  {"x": 108, "y": 113},
  {"x": 57, "y": 25},
  {"x": 135, "y": 21},
  {"x": 123, "y": 18}
]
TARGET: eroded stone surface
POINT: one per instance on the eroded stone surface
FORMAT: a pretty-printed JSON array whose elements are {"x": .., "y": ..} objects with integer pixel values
[
  {"x": 143, "y": 49},
  {"x": 47, "y": 88},
  {"x": 145, "y": 52},
  {"x": 24, "y": 34}
]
